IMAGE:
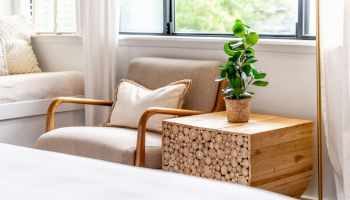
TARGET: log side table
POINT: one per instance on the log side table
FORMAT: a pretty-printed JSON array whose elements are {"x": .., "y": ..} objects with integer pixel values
[{"x": 268, "y": 152}]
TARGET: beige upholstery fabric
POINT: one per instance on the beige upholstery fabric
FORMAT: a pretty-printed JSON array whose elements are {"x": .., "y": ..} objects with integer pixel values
[
  {"x": 104, "y": 143},
  {"x": 119, "y": 144},
  {"x": 16, "y": 31},
  {"x": 3, "y": 65},
  {"x": 157, "y": 72},
  {"x": 35, "y": 86},
  {"x": 132, "y": 100}
]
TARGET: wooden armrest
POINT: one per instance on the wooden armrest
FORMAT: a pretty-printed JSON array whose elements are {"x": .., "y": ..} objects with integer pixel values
[
  {"x": 141, "y": 131},
  {"x": 50, "y": 120}
]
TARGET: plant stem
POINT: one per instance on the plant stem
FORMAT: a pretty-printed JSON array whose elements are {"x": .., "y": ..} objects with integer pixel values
[{"x": 251, "y": 80}]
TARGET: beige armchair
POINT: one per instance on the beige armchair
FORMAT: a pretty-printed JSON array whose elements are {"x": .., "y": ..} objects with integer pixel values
[{"x": 129, "y": 146}]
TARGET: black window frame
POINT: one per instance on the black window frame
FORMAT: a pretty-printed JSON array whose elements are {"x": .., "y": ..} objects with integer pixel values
[{"x": 169, "y": 24}]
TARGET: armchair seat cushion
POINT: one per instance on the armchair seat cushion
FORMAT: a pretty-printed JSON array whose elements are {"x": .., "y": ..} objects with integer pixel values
[{"x": 103, "y": 143}]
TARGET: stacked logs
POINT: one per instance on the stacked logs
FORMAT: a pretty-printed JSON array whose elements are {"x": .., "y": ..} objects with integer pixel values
[{"x": 203, "y": 153}]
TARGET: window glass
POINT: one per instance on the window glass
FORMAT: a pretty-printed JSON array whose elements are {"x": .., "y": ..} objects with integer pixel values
[
  {"x": 66, "y": 16},
  {"x": 51, "y": 16},
  {"x": 273, "y": 17},
  {"x": 43, "y": 15},
  {"x": 144, "y": 16}
]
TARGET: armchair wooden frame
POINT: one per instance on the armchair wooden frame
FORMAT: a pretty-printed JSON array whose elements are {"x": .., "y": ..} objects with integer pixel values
[{"x": 141, "y": 131}]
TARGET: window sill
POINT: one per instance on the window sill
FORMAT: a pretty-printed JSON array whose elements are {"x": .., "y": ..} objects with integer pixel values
[
  {"x": 210, "y": 43},
  {"x": 263, "y": 41},
  {"x": 216, "y": 43},
  {"x": 57, "y": 39}
]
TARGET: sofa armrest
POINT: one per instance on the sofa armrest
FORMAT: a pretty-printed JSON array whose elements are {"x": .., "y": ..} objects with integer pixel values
[
  {"x": 50, "y": 120},
  {"x": 141, "y": 131}
]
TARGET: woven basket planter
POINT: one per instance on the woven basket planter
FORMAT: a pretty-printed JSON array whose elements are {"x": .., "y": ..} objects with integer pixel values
[{"x": 238, "y": 110}]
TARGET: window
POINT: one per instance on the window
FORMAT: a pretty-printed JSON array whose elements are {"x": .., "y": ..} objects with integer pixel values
[
  {"x": 54, "y": 16},
  {"x": 271, "y": 18}
]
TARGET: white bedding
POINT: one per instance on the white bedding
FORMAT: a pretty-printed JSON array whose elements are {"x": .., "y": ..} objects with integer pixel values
[
  {"x": 34, "y": 175},
  {"x": 37, "y": 86}
]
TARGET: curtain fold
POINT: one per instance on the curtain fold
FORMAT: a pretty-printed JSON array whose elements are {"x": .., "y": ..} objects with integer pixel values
[
  {"x": 335, "y": 63},
  {"x": 98, "y": 25}
]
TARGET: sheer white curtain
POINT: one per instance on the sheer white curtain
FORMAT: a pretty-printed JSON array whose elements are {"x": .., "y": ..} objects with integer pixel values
[
  {"x": 98, "y": 25},
  {"x": 335, "y": 62}
]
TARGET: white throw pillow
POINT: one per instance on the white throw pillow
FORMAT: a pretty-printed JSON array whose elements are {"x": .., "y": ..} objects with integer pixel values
[
  {"x": 20, "y": 58},
  {"x": 132, "y": 99},
  {"x": 3, "y": 65}
]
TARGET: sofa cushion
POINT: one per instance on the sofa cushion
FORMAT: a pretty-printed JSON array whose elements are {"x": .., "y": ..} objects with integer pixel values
[
  {"x": 16, "y": 31},
  {"x": 133, "y": 99},
  {"x": 157, "y": 72},
  {"x": 35, "y": 86},
  {"x": 3, "y": 65},
  {"x": 104, "y": 143}
]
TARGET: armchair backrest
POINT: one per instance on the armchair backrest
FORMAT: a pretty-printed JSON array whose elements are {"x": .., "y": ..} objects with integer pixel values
[{"x": 155, "y": 72}]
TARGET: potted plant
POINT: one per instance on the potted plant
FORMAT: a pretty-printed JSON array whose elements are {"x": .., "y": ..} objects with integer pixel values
[{"x": 240, "y": 73}]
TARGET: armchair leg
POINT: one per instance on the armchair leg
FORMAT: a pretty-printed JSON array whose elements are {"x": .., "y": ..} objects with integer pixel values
[{"x": 141, "y": 131}]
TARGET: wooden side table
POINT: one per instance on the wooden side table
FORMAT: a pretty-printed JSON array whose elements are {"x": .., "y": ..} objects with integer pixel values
[{"x": 268, "y": 152}]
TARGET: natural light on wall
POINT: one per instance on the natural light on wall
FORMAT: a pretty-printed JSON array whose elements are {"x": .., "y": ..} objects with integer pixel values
[{"x": 54, "y": 16}]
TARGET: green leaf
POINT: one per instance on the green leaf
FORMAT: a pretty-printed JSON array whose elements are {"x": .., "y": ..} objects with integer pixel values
[
  {"x": 238, "y": 29},
  {"x": 244, "y": 76},
  {"x": 230, "y": 80},
  {"x": 228, "y": 64},
  {"x": 260, "y": 75},
  {"x": 237, "y": 92},
  {"x": 251, "y": 93},
  {"x": 222, "y": 67},
  {"x": 250, "y": 52},
  {"x": 227, "y": 91},
  {"x": 230, "y": 68},
  {"x": 238, "y": 21},
  {"x": 222, "y": 76},
  {"x": 261, "y": 83},
  {"x": 246, "y": 68},
  {"x": 231, "y": 71},
  {"x": 237, "y": 82},
  {"x": 228, "y": 50},
  {"x": 254, "y": 72},
  {"x": 250, "y": 60},
  {"x": 244, "y": 40},
  {"x": 252, "y": 38},
  {"x": 247, "y": 95},
  {"x": 237, "y": 55}
]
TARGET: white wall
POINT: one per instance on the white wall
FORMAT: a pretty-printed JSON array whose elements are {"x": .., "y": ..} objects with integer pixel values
[{"x": 290, "y": 66}]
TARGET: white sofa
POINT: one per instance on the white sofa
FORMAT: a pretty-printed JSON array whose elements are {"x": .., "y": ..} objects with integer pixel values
[{"x": 24, "y": 100}]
